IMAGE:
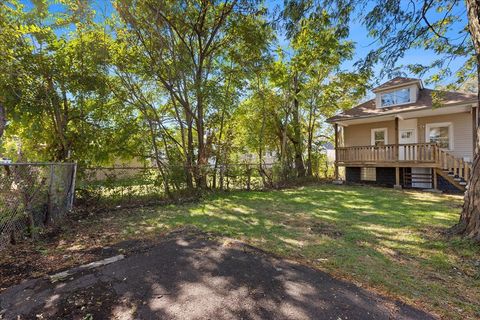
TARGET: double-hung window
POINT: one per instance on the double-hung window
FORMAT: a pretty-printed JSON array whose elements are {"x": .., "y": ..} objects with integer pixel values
[
  {"x": 441, "y": 134},
  {"x": 379, "y": 137}
]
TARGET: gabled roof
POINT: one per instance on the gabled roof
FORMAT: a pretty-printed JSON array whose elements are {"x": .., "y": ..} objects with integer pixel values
[
  {"x": 424, "y": 101},
  {"x": 398, "y": 82}
]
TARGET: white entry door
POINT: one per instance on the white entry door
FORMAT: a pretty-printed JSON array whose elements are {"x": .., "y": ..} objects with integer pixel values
[
  {"x": 407, "y": 131},
  {"x": 407, "y": 134}
]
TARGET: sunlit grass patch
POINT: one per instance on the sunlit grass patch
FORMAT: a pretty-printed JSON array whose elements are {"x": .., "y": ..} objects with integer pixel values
[{"x": 385, "y": 239}]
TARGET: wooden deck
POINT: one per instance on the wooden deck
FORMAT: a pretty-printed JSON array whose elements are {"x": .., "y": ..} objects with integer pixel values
[{"x": 423, "y": 155}]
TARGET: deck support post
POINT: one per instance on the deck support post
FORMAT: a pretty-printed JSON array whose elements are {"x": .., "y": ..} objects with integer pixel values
[
  {"x": 336, "y": 152},
  {"x": 397, "y": 185},
  {"x": 397, "y": 139},
  {"x": 435, "y": 179},
  {"x": 397, "y": 168}
]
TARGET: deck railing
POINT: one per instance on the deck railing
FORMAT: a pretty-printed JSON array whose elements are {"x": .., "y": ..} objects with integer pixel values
[
  {"x": 422, "y": 154},
  {"x": 457, "y": 166},
  {"x": 415, "y": 152}
]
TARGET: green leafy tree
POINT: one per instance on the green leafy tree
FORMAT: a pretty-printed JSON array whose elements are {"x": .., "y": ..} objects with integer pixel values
[
  {"x": 311, "y": 70},
  {"x": 184, "y": 50},
  {"x": 54, "y": 85}
]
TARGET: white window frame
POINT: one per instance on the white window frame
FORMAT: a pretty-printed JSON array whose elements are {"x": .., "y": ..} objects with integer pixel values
[
  {"x": 372, "y": 135},
  {"x": 408, "y": 129},
  {"x": 396, "y": 104},
  {"x": 429, "y": 126}
]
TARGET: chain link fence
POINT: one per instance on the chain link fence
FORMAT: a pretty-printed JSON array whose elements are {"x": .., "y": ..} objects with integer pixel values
[
  {"x": 105, "y": 188},
  {"x": 33, "y": 195},
  {"x": 108, "y": 187}
]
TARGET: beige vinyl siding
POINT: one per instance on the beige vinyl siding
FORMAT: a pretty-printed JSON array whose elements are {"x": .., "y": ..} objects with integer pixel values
[
  {"x": 360, "y": 134},
  {"x": 462, "y": 132}
]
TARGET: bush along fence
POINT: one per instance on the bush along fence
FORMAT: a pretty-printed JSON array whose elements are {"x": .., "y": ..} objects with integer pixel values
[
  {"x": 33, "y": 195},
  {"x": 108, "y": 187}
]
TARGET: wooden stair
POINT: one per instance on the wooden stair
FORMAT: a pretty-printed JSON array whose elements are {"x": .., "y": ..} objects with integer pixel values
[
  {"x": 459, "y": 183},
  {"x": 454, "y": 170}
]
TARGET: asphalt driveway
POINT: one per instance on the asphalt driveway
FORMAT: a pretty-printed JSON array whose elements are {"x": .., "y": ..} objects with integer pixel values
[{"x": 188, "y": 276}]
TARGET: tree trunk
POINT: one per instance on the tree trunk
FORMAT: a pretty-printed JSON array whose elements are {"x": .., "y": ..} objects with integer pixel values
[
  {"x": 283, "y": 149},
  {"x": 200, "y": 174},
  {"x": 309, "y": 158},
  {"x": 3, "y": 119},
  {"x": 297, "y": 132},
  {"x": 220, "y": 136},
  {"x": 311, "y": 128},
  {"x": 158, "y": 161},
  {"x": 189, "y": 155},
  {"x": 469, "y": 224}
]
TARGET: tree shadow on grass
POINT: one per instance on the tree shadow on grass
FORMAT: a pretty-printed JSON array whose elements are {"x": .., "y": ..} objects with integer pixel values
[
  {"x": 359, "y": 229},
  {"x": 192, "y": 277},
  {"x": 378, "y": 234}
]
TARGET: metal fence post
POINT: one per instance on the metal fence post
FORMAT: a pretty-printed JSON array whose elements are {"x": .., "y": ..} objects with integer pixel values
[
  {"x": 49, "y": 217},
  {"x": 72, "y": 188}
]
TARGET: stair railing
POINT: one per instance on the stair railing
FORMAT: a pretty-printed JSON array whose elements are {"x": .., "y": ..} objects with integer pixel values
[{"x": 456, "y": 166}]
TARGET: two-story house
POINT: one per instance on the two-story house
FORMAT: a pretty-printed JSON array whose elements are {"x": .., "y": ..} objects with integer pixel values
[{"x": 402, "y": 138}]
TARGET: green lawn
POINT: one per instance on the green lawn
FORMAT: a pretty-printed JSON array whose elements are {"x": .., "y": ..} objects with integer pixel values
[{"x": 382, "y": 239}]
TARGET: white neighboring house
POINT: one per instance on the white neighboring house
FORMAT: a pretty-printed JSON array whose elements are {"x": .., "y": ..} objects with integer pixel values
[
  {"x": 329, "y": 151},
  {"x": 268, "y": 158}
]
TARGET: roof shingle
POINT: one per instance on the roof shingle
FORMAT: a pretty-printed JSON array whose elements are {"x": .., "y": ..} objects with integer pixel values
[
  {"x": 397, "y": 81},
  {"x": 424, "y": 101}
]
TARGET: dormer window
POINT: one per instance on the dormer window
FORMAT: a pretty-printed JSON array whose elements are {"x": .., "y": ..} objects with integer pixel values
[{"x": 392, "y": 98}]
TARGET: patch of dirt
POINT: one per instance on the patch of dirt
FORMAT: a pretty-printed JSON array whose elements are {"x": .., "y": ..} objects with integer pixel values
[
  {"x": 60, "y": 249},
  {"x": 83, "y": 304},
  {"x": 323, "y": 228},
  {"x": 57, "y": 250},
  {"x": 435, "y": 233}
]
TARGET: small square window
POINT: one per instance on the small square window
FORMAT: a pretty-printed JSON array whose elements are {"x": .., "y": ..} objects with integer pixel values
[{"x": 407, "y": 134}]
